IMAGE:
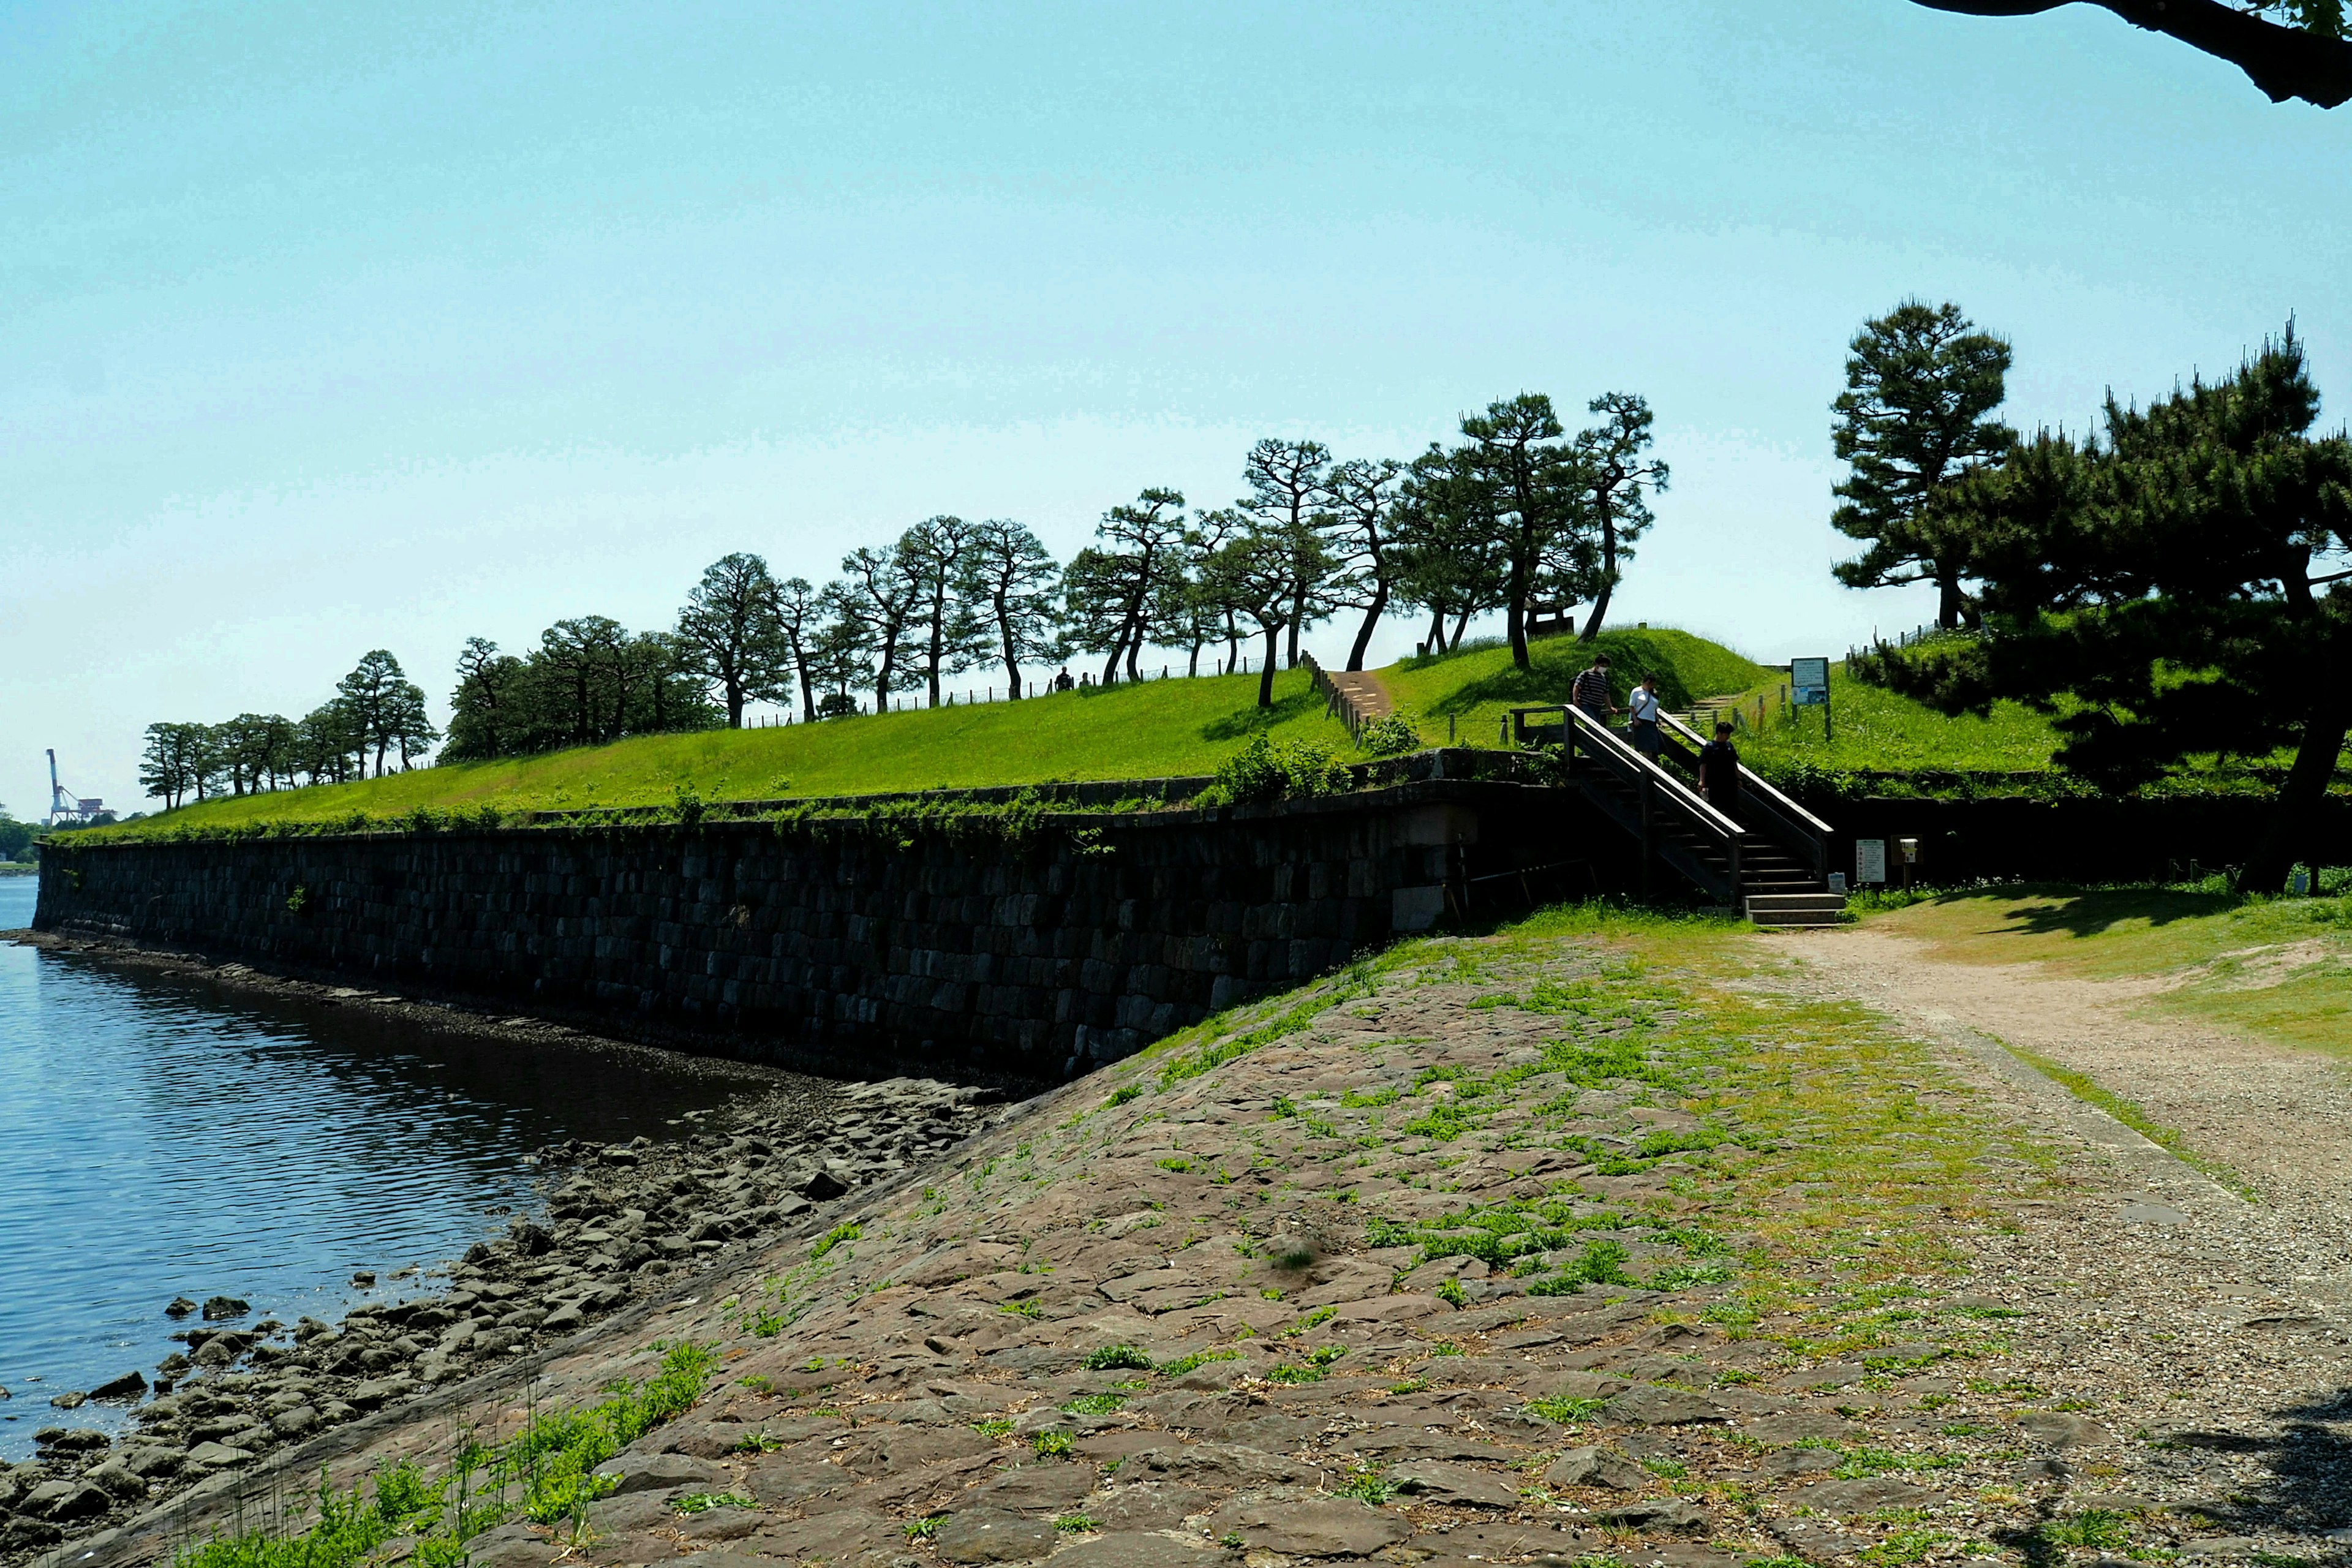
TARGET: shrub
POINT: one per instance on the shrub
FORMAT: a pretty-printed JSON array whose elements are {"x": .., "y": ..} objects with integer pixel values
[
  {"x": 1267, "y": 770},
  {"x": 1388, "y": 737}
]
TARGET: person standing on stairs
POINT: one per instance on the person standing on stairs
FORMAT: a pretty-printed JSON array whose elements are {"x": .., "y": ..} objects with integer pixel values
[
  {"x": 1590, "y": 693},
  {"x": 1719, "y": 771},
  {"x": 1642, "y": 717}
]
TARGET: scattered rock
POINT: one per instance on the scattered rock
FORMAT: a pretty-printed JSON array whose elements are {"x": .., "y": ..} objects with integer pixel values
[
  {"x": 985, "y": 1536},
  {"x": 1337, "y": 1528},
  {"x": 2061, "y": 1429},
  {"x": 130, "y": 1385},
  {"x": 1138, "y": 1549},
  {"x": 510, "y": 1546},
  {"x": 654, "y": 1472},
  {"x": 1440, "y": 1482},
  {"x": 178, "y": 1307},
  {"x": 218, "y": 1308},
  {"x": 1847, "y": 1498},
  {"x": 1596, "y": 1467},
  {"x": 119, "y": 1481},
  {"x": 1657, "y": 1513},
  {"x": 218, "y": 1455},
  {"x": 1653, "y": 1406}
]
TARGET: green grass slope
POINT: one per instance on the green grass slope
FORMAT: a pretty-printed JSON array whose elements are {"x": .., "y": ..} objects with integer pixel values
[
  {"x": 1476, "y": 687},
  {"x": 1153, "y": 730},
  {"x": 1875, "y": 728}
]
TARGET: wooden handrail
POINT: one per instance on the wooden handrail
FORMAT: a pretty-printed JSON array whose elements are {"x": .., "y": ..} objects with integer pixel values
[
  {"x": 1748, "y": 780},
  {"x": 1633, "y": 766}
]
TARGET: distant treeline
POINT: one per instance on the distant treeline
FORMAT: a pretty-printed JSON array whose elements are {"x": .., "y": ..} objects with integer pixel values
[{"x": 1519, "y": 516}]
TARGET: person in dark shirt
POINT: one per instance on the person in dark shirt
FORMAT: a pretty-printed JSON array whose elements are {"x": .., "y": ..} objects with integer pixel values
[
  {"x": 1590, "y": 690},
  {"x": 1718, "y": 770}
]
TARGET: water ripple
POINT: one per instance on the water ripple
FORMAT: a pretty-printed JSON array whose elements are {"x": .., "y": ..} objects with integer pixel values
[{"x": 157, "y": 1138}]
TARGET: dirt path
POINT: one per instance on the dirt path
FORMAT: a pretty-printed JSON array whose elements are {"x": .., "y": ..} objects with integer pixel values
[
  {"x": 2280, "y": 1118},
  {"x": 2217, "y": 1329}
]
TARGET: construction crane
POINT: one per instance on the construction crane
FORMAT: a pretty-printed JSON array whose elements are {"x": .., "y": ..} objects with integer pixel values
[{"x": 65, "y": 810}]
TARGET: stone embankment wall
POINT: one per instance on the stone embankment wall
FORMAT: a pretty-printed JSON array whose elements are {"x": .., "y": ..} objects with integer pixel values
[{"x": 1076, "y": 943}]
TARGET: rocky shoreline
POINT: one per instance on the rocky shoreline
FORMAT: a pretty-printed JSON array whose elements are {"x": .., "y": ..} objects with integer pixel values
[{"x": 622, "y": 1223}]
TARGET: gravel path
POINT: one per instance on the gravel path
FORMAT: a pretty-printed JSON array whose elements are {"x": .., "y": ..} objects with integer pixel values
[{"x": 2215, "y": 1325}]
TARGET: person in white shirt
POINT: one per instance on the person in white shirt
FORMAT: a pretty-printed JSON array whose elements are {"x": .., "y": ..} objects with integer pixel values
[{"x": 1642, "y": 709}]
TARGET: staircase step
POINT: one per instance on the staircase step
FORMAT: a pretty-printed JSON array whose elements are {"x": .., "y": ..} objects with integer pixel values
[{"x": 1796, "y": 910}]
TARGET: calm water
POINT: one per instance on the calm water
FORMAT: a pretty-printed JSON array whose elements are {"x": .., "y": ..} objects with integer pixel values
[{"x": 157, "y": 1138}]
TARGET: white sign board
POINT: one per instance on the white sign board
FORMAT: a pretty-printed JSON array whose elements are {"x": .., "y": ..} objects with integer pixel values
[
  {"x": 1870, "y": 860},
  {"x": 1809, "y": 681}
]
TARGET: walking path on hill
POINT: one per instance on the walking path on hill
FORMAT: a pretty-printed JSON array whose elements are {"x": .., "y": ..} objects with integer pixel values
[
  {"x": 1640, "y": 1241},
  {"x": 1364, "y": 689}
]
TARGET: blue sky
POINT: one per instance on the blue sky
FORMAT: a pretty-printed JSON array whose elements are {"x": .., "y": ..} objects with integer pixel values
[{"x": 336, "y": 327}]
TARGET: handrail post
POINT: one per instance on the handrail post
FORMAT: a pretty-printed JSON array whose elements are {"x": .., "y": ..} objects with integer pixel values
[
  {"x": 1649, "y": 831},
  {"x": 1735, "y": 873}
]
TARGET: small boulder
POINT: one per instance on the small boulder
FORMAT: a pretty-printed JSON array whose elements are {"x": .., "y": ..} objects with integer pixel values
[
  {"x": 299, "y": 1422},
  {"x": 1657, "y": 1513},
  {"x": 119, "y": 1481},
  {"x": 1596, "y": 1467},
  {"x": 1802, "y": 1461},
  {"x": 510, "y": 1546},
  {"x": 130, "y": 1385},
  {"x": 59, "y": 1501},
  {"x": 654, "y": 1472},
  {"x": 2061, "y": 1429},
  {"x": 1433, "y": 1481},
  {"x": 71, "y": 1440},
  {"x": 1848, "y": 1498},
  {"x": 822, "y": 1186},
  {"x": 218, "y": 1455},
  {"x": 178, "y": 1307},
  {"x": 985, "y": 1536},
  {"x": 218, "y": 1308},
  {"x": 1651, "y": 1406},
  {"x": 1339, "y": 1528}
]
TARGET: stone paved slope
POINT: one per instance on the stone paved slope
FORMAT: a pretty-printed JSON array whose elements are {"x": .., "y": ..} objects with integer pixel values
[{"x": 1586, "y": 1238}]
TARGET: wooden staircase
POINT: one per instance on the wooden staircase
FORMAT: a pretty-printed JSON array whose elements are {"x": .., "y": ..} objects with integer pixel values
[{"x": 1771, "y": 862}]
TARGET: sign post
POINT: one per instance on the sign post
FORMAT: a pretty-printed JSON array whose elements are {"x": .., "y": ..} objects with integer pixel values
[{"x": 1809, "y": 686}]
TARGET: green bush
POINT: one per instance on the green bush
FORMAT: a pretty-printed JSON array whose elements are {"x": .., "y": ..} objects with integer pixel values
[
  {"x": 1388, "y": 737},
  {"x": 1269, "y": 770}
]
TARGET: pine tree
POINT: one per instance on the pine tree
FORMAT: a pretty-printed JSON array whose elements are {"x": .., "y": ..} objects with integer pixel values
[{"x": 1921, "y": 384}]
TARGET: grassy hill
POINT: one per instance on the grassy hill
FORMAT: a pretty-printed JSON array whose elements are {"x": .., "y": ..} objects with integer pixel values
[
  {"x": 1146, "y": 730},
  {"x": 1153, "y": 730},
  {"x": 1873, "y": 728}
]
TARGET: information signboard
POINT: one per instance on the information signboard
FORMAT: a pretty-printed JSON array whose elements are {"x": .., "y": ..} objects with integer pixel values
[
  {"x": 1869, "y": 860},
  {"x": 1809, "y": 681}
]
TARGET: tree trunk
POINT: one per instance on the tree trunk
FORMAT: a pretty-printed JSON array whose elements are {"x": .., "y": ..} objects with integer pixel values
[
  {"x": 1437, "y": 628},
  {"x": 1950, "y": 603},
  {"x": 1266, "y": 676},
  {"x": 1600, "y": 613},
  {"x": 1372, "y": 619},
  {"x": 2292, "y": 817},
  {"x": 1515, "y": 627},
  {"x": 1012, "y": 663},
  {"x": 808, "y": 692},
  {"x": 1297, "y": 614},
  {"x": 1608, "y": 577},
  {"x": 734, "y": 704},
  {"x": 1460, "y": 626}
]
